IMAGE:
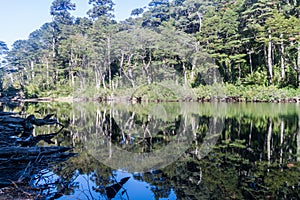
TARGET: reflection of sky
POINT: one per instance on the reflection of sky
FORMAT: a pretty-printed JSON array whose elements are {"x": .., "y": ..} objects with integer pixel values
[
  {"x": 135, "y": 189},
  {"x": 85, "y": 190}
]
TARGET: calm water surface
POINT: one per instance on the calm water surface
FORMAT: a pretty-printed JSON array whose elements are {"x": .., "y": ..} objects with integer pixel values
[{"x": 175, "y": 151}]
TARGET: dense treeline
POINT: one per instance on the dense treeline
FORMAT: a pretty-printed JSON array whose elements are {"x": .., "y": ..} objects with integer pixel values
[{"x": 246, "y": 42}]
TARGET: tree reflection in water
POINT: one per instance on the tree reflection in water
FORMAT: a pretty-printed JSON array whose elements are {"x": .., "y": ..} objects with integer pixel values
[{"x": 256, "y": 155}]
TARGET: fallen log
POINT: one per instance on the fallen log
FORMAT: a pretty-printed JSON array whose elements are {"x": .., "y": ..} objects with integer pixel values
[
  {"x": 29, "y": 151},
  {"x": 19, "y": 155},
  {"x": 54, "y": 157},
  {"x": 32, "y": 141},
  {"x": 7, "y": 113},
  {"x": 8, "y": 119},
  {"x": 13, "y": 125}
]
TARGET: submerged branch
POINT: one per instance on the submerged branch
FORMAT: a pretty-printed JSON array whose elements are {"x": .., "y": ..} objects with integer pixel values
[{"x": 19, "y": 156}]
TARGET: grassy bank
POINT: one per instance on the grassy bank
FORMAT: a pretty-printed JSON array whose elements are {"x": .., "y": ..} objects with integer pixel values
[
  {"x": 251, "y": 93},
  {"x": 158, "y": 92}
]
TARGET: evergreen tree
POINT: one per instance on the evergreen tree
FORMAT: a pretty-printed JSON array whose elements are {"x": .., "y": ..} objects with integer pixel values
[
  {"x": 60, "y": 11},
  {"x": 3, "y": 50},
  {"x": 159, "y": 11},
  {"x": 101, "y": 8}
]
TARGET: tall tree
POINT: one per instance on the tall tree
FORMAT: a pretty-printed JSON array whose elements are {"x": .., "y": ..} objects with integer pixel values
[
  {"x": 221, "y": 38},
  {"x": 189, "y": 14},
  {"x": 256, "y": 15},
  {"x": 3, "y": 50},
  {"x": 62, "y": 29},
  {"x": 100, "y": 40},
  {"x": 60, "y": 11},
  {"x": 159, "y": 11},
  {"x": 134, "y": 52},
  {"x": 101, "y": 8}
]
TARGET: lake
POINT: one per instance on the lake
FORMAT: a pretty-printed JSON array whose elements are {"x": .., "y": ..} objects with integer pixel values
[{"x": 173, "y": 151}]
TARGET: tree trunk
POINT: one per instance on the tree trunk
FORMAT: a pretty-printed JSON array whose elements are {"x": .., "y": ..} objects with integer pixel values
[
  {"x": 200, "y": 21},
  {"x": 109, "y": 62},
  {"x": 72, "y": 79},
  {"x": 47, "y": 72},
  {"x": 53, "y": 39},
  {"x": 240, "y": 70},
  {"x": 281, "y": 141},
  {"x": 297, "y": 67},
  {"x": 226, "y": 70},
  {"x": 282, "y": 49},
  {"x": 32, "y": 70},
  {"x": 97, "y": 82},
  {"x": 185, "y": 74},
  {"x": 146, "y": 67},
  {"x": 250, "y": 133},
  {"x": 298, "y": 64},
  {"x": 267, "y": 54},
  {"x": 270, "y": 61},
  {"x": 103, "y": 81},
  {"x": 298, "y": 77},
  {"x": 250, "y": 62},
  {"x": 53, "y": 45},
  {"x": 269, "y": 138},
  {"x": 298, "y": 139},
  {"x": 127, "y": 74}
]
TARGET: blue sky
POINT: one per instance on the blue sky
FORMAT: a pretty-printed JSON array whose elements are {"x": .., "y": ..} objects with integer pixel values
[{"x": 18, "y": 18}]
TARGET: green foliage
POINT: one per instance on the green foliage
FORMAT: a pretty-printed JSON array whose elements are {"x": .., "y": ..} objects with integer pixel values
[
  {"x": 60, "y": 11},
  {"x": 256, "y": 78},
  {"x": 3, "y": 48},
  {"x": 246, "y": 93},
  {"x": 155, "y": 92},
  {"x": 101, "y": 8},
  {"x": 246, "y": 43}
]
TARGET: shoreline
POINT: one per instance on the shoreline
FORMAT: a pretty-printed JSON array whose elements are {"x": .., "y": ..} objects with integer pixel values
[{"x": 229, "y": 99}]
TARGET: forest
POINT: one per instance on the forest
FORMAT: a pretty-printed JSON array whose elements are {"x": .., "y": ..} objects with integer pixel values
[
  {"x": 244, "y": 50},
  {"x": 249, "y": 48}
]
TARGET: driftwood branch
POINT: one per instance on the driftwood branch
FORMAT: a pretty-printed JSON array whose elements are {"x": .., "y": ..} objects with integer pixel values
[
  {"x": 19, "y": 156},
  {"x": 32, "y": 141},
  {"x": 11, "y": 125}
]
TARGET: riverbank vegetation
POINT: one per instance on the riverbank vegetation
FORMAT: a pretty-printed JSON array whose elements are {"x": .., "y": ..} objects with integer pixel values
[{"x": 248, "y": 49}]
